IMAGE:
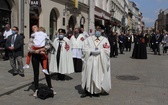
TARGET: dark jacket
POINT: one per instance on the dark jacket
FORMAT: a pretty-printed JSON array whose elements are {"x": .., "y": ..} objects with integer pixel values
[{"x": 18, "y": 46}]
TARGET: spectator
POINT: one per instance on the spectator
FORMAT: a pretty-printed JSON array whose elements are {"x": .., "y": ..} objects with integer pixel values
[
  {"x": 37, "y": 59},
  {"x": 14, "y": 45},
  {"x": 6, "y": 34}
]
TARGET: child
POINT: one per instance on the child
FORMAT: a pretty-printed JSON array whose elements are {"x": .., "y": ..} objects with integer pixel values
[{"x": 37, "y": 42}]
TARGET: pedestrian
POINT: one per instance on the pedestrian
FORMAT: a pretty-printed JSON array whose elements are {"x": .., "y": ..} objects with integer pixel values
[
  {"x": 157, "y": 41},
  {"x": 139, "y": 51},
  {"x": 121, "y": 41},
  {"x": 128, "y": 42},
  {"x": 165, "y": 43},
  {"x": 37, "y": 41},
  {"x": 113, "y": 44},
  {"x": 14, "y": 45},
  {"x": 152, "y": 41},
  {"x": 96, "y": 76},
  {"x": 6, "y": 34},
  {"x": 37, "y": 59},
  {"x": 61, "y": 58},
  {"x": 77, "y": 43}
]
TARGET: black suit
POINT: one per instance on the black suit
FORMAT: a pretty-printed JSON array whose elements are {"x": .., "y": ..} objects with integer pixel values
[
  {"x": 16, "y": 53},
  {"x": 18, "y": 44},
  {"x": 121, "y": 41},
  {"x": 113, "y": 45}
]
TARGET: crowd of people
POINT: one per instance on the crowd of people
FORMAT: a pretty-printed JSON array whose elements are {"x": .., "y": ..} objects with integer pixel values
[
  {"x": 77, "y": 51},
  {"x": 123, "y": 42}
]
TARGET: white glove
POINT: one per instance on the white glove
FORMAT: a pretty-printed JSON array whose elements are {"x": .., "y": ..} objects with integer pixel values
[{"x": 95, "y": 52}]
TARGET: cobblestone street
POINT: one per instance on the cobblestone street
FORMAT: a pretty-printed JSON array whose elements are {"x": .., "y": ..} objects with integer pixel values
[{"x": 148, "y": 87}]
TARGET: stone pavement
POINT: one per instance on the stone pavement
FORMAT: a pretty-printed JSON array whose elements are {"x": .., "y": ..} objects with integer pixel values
[{"x": 150, "y": 88}]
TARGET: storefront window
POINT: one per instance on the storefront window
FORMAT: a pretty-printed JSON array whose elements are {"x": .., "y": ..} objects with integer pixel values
[
  {"x": 5, "y": 14},
  {"x": 34, "y": 18}
]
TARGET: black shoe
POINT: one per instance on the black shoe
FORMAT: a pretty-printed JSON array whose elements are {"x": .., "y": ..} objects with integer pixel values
[
  {"x": 96, "y": 95},
  {"x": 83, "y": 95},
  {"x": 22, "y": 75},
  {"x": 14, "y": 74},
  {"x": 86, "y": 94}
]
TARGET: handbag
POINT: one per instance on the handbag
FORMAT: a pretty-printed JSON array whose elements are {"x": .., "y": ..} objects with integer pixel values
[{"x": 44, "y": 93}]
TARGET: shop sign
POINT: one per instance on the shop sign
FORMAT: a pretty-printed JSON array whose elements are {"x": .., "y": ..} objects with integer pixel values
[{"x": 35, "y": 3}]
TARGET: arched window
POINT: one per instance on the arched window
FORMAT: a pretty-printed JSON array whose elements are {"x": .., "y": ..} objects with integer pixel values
[
  {"x": 4, "y": 5},
  {"x": 53, "y": 23},
  {"x": 72, "y": 22}
]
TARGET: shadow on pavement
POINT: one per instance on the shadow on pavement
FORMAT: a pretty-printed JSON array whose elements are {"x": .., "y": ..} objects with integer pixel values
[
  {"x": 55, "y": 77},
  {"x": 11, "y": 71},
  {"x": 79, "y": 89}
]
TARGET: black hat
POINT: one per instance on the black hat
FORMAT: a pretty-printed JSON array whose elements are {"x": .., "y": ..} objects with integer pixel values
[{"x": 62, "y": 31}]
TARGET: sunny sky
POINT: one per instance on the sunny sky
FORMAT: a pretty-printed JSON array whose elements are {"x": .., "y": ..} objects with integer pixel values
[{"x": 150, "y": 9}]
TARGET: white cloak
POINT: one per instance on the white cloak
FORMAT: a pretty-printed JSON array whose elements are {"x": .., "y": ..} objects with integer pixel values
[
  {"x": 96, "y": 75},
  {"x": 66, "y": 63}
]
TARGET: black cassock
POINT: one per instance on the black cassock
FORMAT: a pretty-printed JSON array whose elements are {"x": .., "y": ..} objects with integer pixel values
[
  {"x": 139, "y": 51},
  {"x": 60, "y": 76},
  {"x": 113, "y": 45}
]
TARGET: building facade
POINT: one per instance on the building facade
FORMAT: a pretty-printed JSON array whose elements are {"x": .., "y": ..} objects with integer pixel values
[
  {"x": 135, "y": 18},
  {"x": 162, "y": 21},
  {"x": 51, "y": 14},
  {"x": 120, "y": 15},
  {"x": 55, "y": 14}
]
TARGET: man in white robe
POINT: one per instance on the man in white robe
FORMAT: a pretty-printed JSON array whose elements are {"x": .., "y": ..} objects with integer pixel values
[
  {"x": 77, "y": 43},
  {"x": 96, "y": 76},
  {"x": 61, "y": 58}
]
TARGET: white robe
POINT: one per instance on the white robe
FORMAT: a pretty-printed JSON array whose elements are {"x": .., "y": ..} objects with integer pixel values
[
  {"x": 96, "y": 76},
  {"x": 66, "y": 63}
]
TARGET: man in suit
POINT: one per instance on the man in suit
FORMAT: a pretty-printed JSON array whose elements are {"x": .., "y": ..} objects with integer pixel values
[
  {"x": 14, "y": 45},
  {"x": 113, "y": 44},
  {"x": 121, "y": 41}
]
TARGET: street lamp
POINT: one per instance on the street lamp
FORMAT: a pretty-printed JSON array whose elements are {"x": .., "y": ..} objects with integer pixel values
[{"x": 112, "y": 14}]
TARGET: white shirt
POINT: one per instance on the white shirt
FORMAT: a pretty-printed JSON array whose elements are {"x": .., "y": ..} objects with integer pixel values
[
  {"x": 39, "y": 39},
  {"x": 12, "y": 44},
  {"x": 7, "y": 33}
]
